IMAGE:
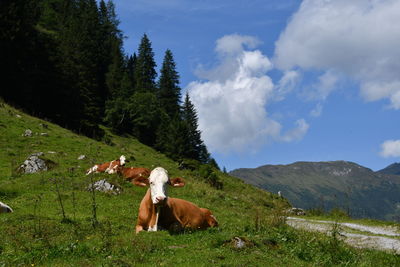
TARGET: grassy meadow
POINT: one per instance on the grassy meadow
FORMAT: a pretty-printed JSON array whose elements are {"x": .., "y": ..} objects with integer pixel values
[{"x": 58, "y": 222}]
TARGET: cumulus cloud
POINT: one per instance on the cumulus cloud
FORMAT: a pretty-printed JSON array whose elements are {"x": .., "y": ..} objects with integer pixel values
[
  {"x": 235, "y": 43},
  {"x": 390, "y": 148},
  {"x": 231, "y": 103},
  {"x": 296, "y": 133},
  {"x": 358, "y": 38}
]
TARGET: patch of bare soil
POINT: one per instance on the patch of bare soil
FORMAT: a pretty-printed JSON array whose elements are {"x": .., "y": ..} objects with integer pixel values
[{"x": 373, "y": 237}]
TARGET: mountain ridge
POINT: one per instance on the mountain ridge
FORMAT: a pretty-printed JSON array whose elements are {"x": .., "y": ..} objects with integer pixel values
[
  {"x": 393, "y": 168},
  {"x": 329, "y": 184}
]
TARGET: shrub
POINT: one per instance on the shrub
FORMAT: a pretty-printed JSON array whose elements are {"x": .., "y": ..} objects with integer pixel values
[
  {"x": 207, "y": 173},
  {"x": 189, "y": 164},
  {"x": 338, "y": 213},
  {"x": 315, "y": 212}
]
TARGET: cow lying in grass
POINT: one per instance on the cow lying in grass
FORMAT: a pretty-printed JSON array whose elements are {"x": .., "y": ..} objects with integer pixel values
[
  {"x": 108, "y": 167},
  {"x": 157, "y": 209},
  {"x": 131, "y": 173},
  {"x": 5, "y": 208}
]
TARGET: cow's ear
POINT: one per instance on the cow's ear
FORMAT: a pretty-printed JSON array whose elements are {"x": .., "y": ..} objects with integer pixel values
[
  {"x": 141, "y": 181},
  {"x": 177, "y": 182}
]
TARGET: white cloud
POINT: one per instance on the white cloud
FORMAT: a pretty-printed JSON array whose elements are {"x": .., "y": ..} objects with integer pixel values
[
  {"x": 390, "y": 148},
  {"x": 235, "y": 43},
  {"x": 231, "y": 105},
  {"x": 297, "y": 133},
  {"x": 358, "y": 38},
  {"x": 287, "y": 83},
  {"x": 324, "y": 86},
  {"x": 317, "y": 111}
]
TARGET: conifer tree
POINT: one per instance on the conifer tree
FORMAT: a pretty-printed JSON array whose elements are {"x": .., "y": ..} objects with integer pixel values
[
  {"x": 144, "y": 112},
  {"x": 169, "y": 92},
  {"x": 196, "y": 148},
  {"x": 145, "y": 73},
  {"x": 117, "y": 114},
  {"x": 131, "y": 66},
  {"x": 214, "y": 163},
  {"x": 79, "y": 48},
  {"x": 111, "y": 52},
  {"x": 18, "y": 41}
]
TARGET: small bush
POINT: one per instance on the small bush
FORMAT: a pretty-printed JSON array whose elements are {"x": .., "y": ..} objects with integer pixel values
[
  {"x": 315, "y": 212},
  {"x": 210, "y": 177},
  {"x": 189, "y": 164},
  {"x": 107, "y": 140},
  {"x": 338, "y": 213}
]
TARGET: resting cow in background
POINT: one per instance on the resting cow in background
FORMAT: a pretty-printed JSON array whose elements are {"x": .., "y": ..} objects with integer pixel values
[
  {"x": 131, "y": 173},
  {"x": 5, "y": 208},
  {"x": 157, "y": 209},
  {"x": 108, "y": 167}
]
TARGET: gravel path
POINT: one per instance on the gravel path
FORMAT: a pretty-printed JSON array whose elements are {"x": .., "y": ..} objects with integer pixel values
[{"x": 369, "y": 239}]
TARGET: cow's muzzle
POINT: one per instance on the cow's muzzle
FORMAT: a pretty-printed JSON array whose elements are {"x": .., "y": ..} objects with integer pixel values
[{"x": 160, "y": 201}]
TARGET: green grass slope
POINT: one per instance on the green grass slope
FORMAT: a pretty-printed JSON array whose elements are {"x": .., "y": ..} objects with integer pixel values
[{"x": 57, "y": 222}]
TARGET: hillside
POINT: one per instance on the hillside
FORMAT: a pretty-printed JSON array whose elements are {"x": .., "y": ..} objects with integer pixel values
[
  {"x": 98, "y": 230},
  {"x": 354, "y": 188},
  {"x": 391, "y": 169}
]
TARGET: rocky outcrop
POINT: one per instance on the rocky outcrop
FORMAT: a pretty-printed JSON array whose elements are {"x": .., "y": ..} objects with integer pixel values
[
  {"x": 295, "y": 211},
  {"x": 104, "y": 186},
  {"x": 27, "y": 133},
  {"x": 239, "y": 243},
  {"x": 35, "y": 163}
]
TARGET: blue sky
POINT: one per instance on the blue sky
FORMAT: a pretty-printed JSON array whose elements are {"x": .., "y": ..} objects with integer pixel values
[{"x": 280, "y": 81}]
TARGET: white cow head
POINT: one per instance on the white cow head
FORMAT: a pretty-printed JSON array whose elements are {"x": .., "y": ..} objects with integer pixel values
[
  {"x": 122, "y": 160},
  {"x": 158, "y": 182},
  {"x": 115, "y": 164},
  {"x": 158, "y": 185}
]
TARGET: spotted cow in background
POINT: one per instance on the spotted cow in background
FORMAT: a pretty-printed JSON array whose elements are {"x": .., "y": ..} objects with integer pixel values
[
  {"x": 108, "y": 167},
  {"x": 131, "y": 173}
]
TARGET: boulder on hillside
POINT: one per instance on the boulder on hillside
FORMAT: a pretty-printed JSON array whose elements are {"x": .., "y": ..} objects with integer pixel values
[
  {"x": 239, "y": 243},
  {"x": 295, "y": 211},
  {"x": 35, "y": 163},
  {"x": 43, "y": 125},
  {"x": 104, "y": 186},
  {"x": 27, "y": 133}
]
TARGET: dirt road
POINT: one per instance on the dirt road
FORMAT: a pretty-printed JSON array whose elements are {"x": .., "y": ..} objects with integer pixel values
[{"x": 357, "y": 235}]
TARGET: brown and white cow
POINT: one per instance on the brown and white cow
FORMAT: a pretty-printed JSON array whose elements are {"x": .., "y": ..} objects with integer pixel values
[
  {"x": 157, "y": 209},
  {"x": 131, "y": 173},
  {"x": 4, "y": 208},
  {"x": 108, "y": 167}
]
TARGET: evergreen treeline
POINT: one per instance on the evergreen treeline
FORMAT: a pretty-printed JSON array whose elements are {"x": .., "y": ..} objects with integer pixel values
[{"x": 63, "y": 60}]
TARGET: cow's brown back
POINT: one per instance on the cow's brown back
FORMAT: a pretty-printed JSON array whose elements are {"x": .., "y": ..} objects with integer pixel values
[
  {"x": 132, "y": 173},
  {"x": 179, "y": 212}
]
